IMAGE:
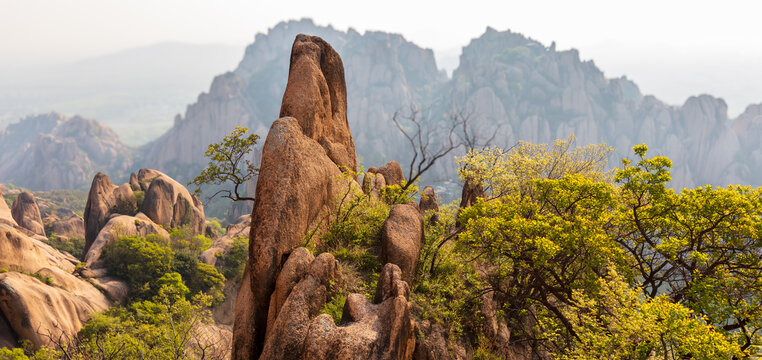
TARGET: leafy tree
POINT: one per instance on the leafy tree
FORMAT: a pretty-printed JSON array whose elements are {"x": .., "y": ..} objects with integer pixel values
[
  {"x": 567, "y": 248},
  {"x": 228, "y": 164}
]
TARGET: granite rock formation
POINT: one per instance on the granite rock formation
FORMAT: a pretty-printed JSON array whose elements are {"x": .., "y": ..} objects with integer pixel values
[
  {"x": 27, "y": 214},
  {"x": 165, "y": 203},
  {"x": 52, "y": 151},
  {"x": 36, "y": 310},
  {"x": 298, "y": 183},
  {"x": 402, "y": 238}
]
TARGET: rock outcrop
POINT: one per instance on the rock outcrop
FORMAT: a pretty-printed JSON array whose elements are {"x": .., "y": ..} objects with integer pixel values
[
  {"x": 380, "y": 330},
  {"x": 392, "y": 173},
  {"x": 6, "y": 217},
  {"x": 316, "y": 96},
  {"x": 71, "y": 227},
  {"x": 384, "y": 330},
  {"x": 165, "y": 203},
  {"x": 297, "y": 184},
  {"x": 402, "y": 238},
  {"x": 168, "y": 203},
  {"x": 35, "y": 310},
  {"x": 287, "y": 335},
  {"x": 115, "y": 211},
  {"x": 27, "y": 214},
  {"x": 299, "y": 181}
]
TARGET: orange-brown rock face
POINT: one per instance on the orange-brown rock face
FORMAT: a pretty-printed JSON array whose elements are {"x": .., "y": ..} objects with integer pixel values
[
  {"x": 392, "y": 173},
  {"x": 27, "y": 214},
  {"x": 299, "y": 179},
  {"x": 297, "y": 184},
  {"x": 6, "y": 217},
  {"x": 316, "y": 96},
  {"x": 402, "y": 238},
  {"x": 32, "y": 309},
  {"x": 166, "y": 203}
]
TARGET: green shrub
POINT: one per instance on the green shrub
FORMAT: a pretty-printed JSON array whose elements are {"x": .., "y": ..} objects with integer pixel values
[
  {"x": 335, "y": 307},
  {"x": 74, "y": 246},
  {"x": 232, "y": 264},
  {"x": 140, "y": 261},
  {"x": 3, "y": 270},
  {"x": 139, "y": 197},
  {"x": 395, "y": 194},
  {"x": 183, "y": 239}
]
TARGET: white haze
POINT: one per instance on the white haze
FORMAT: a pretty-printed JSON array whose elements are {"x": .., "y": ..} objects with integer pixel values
[{"x": 672, "y": 49}]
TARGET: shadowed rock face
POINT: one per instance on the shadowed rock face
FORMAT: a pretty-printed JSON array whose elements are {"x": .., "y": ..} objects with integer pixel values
[
  {"x": 298, "y": 181},
  {"x": 27, "y": 214},
  {"x": 316, "y": 96}
]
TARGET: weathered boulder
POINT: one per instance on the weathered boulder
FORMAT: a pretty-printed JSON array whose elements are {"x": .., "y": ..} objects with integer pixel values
[
  {"x": 286, "y": 336},
  {"x": 368, "y": 331},
  {"x": 72, "y": 227},
  {"x": 316, "y": 96},
  {"x": 372, "y": 184},
  {"x": 392, "y": 173},
  {"x": 168, "y": 203},
  {"x": 98, "y": 207},
  {"x": 429, "y": 203},
  {"x": 297, "y": 184},
  {"x": 27, "y": 214},
  {"x": 6, "y": 217},
  {"x": 118, "y": 226},
  {"x": 33, "y": 309},
  {"x": 165, "y": 203},
  {"x": 402, "y": 238}
]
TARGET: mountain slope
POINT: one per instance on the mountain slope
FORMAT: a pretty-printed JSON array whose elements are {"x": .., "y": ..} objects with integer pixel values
[{"x": 51, "y": 151}]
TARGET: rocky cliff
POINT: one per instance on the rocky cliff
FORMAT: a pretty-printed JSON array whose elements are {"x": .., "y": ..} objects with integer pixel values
[
  {"x": 384, "y": 73},
  {"x": 511, "y": 86},
  {"x": 52, "y": 151}
]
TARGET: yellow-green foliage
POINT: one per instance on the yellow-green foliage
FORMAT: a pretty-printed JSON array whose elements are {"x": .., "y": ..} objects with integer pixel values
[
  {"x": 166, "y": 327},
  {"x": 617, "y": 322},
  {"x": 509, "y": 172},
  {"x": 684, "y": 270}
]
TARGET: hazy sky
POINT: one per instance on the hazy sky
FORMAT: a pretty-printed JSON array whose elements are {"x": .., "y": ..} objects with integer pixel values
[{"x": 670, "y": 48}]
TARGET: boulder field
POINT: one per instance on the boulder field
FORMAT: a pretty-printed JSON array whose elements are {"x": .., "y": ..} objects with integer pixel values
[{"x": 41, "y": 300}]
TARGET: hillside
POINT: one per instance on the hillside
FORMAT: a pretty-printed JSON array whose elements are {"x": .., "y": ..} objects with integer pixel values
[
  {"x": 51, "y": 151},
  {"x": 508, "y": 83}
]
